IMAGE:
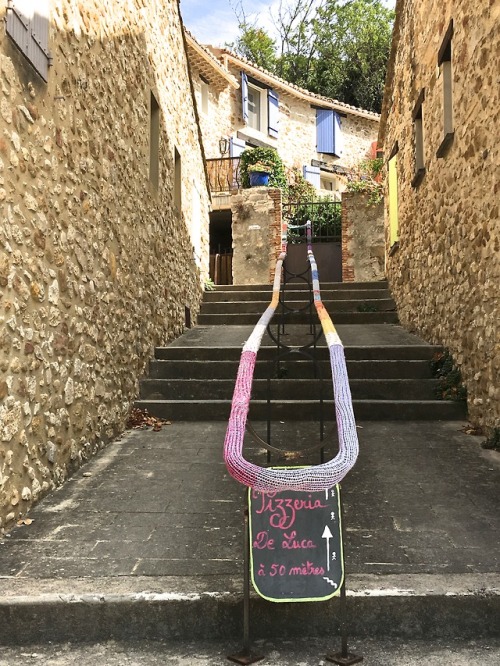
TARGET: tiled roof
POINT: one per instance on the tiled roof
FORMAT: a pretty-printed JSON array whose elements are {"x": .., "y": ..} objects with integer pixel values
[
  {"x": 208, "y": 65},
  {"x": 294, "y": 89},
  {"x": 205, "y": 56}
]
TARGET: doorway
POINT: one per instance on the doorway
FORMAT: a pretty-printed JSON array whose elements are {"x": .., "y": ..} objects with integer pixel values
[{"x": 221, "y": 247}]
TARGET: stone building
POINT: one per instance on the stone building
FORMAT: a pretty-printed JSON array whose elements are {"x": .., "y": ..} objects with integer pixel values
[
  {"x": 439, "y": 128},
  {"x": 103, "y": 224},
  {"x": 243, "y": 106}
]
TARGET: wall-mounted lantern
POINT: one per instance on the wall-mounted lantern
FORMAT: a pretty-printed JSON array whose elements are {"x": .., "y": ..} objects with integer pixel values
[{"x": 223, "y": 146}]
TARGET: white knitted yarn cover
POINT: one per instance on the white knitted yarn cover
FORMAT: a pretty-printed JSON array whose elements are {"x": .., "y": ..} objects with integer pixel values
[{"x": 311, "y": 478}]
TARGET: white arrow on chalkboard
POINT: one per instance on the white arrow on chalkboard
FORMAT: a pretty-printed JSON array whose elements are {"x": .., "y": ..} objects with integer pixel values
[{"x": 327, "y": 535}]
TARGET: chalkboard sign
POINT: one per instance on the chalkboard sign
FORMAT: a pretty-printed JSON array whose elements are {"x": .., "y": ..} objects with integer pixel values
[{"x": 296, "y": 545}]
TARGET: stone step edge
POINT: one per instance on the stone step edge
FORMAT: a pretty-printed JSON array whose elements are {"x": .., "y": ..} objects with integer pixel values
[
  {"x": 415, "y": 605},
  {"x": 301, "y": 284},
  {"x": 16, "y": 591},
  {"x": 358, "y": 401}
]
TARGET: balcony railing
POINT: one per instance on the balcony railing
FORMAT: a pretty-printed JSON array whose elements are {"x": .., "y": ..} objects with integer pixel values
[{"x": 224, "y": 174}]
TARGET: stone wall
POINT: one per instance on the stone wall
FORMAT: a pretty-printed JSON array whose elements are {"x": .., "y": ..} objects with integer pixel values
[
  {"x": 445, "y": 276},
  {"x": 256, "y": 214},
  {"x": 97, "y": 265},
  {"x": 296, "y": 142},
  {"x": 214, "y": 124},
  {"x": 363, "y": 248},
  {"x": 297, "y": 135}
]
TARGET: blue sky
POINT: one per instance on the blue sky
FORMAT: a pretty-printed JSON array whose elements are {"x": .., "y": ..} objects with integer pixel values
[{"x": 214, "y": 21}]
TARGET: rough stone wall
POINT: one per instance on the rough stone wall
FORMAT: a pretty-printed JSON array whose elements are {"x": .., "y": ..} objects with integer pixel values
[
  {"x": 214, "y": 124},
  {"x": 445, "y": 276},
  {"x": 256, "y": 213},
  {"x": 96, "y": 265},
  {"x": 363, "y": 249},
  {"x": 297, "y": 135}
]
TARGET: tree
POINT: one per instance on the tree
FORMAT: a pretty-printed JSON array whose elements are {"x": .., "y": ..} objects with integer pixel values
[
  {"x": 253, "y": 43},
  {"x": 337, "y": 48},
  {"x": 294, "y": 23},
  {"x": 353, "y": 44}
]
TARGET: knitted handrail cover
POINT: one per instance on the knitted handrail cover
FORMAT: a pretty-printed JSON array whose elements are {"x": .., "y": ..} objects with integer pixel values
[{"x": 310, "y": 478}]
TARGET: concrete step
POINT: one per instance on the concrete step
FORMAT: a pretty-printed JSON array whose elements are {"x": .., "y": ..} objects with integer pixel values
[
  {"x": 301, "y": 284},
  {"x": 190, "y": 352},
  {"x": 287, "y": 389},
  {"x": 306, "y": 410},
  {"x": 236, "y": 319},
  {"x": 292, "y": 369},
  {"x": 333, "y": 307},
  {"x": 415, "y": 607},
  {"x": 264, "y": 296}
]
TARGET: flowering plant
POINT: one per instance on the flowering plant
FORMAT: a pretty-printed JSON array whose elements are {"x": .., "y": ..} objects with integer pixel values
[{"x": 263, "y": 167}]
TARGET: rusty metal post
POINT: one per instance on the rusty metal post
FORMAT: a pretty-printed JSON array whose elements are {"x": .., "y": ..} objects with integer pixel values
[
  {"x": 344, "y": 657},
  {"x": 246, "y": 656}
]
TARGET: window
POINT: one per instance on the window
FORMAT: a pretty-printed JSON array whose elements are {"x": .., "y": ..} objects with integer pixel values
[
  {"x": 177, "y": 180},
  {"x": 329, "y": 138},
  {"x": 446, "y": 73},
  {"x": 418, "y": 137},
  {"x": 330, "y": 184},
  {"x": 204, "y": 96},
  {"x": 393, "y": 201},
  {"x": 154, "y": 141},
  {"x": 260, "y": 106},
  {"x": 27, "y": 24},
  {"x": 254, "y": 108}
]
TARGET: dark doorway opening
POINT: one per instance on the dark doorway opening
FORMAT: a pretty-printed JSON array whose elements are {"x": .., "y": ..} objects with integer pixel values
[{"x": 221, "y": 247}]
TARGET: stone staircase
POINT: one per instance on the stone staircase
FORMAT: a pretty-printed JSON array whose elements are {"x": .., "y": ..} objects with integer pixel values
[
  {"x": 347, "y": 303},
  {"x": 389, "y": 369}
]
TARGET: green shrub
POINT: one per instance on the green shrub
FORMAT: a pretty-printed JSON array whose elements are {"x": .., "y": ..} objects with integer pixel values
[
  {"x": 303, "y": 204},
  {"x": 450, "y": 385},
  {"x": 269, "y": 157}
]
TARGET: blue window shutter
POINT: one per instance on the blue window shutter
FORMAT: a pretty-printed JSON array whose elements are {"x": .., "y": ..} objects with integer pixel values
[
  {"x": 273, "y": 113},
  {"x": 312, "y": 174},
  {"x": 324, "y": 131},
  {"x": 236, "y": 147},
  {"x": 338, "y": 139},
  {"x": 244, "y": 97}
]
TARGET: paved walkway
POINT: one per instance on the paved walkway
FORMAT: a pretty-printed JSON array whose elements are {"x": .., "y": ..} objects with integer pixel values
[
  {"x": 156, "y": 517},
  {"x": 422, "y": 499}
]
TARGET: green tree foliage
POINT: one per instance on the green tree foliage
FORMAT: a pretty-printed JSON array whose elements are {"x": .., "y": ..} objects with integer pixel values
[
  {"x": 353, "y": 44},
  {"x": 303, "y": 204},
  {"x": 338, "y": 49},
  {"x": 255, "y": 45}
]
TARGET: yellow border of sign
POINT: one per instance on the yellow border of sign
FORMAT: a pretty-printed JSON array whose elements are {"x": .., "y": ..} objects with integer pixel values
[{"x": 282, "y": 601}]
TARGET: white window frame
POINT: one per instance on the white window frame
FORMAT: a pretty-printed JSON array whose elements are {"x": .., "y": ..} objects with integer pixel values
[{"x": 262, "y": 112}]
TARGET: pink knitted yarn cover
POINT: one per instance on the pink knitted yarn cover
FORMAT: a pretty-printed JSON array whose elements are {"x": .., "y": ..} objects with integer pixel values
[{"x": 312, "y": 478}]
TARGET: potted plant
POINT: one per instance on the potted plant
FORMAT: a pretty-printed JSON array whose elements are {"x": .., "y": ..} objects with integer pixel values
[
  {"x": 258, "y": 173},
  {"x": 266, "y": 159}
]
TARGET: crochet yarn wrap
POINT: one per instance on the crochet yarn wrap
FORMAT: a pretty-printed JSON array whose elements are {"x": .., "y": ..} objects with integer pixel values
[{"x": 310, "y": 478}]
